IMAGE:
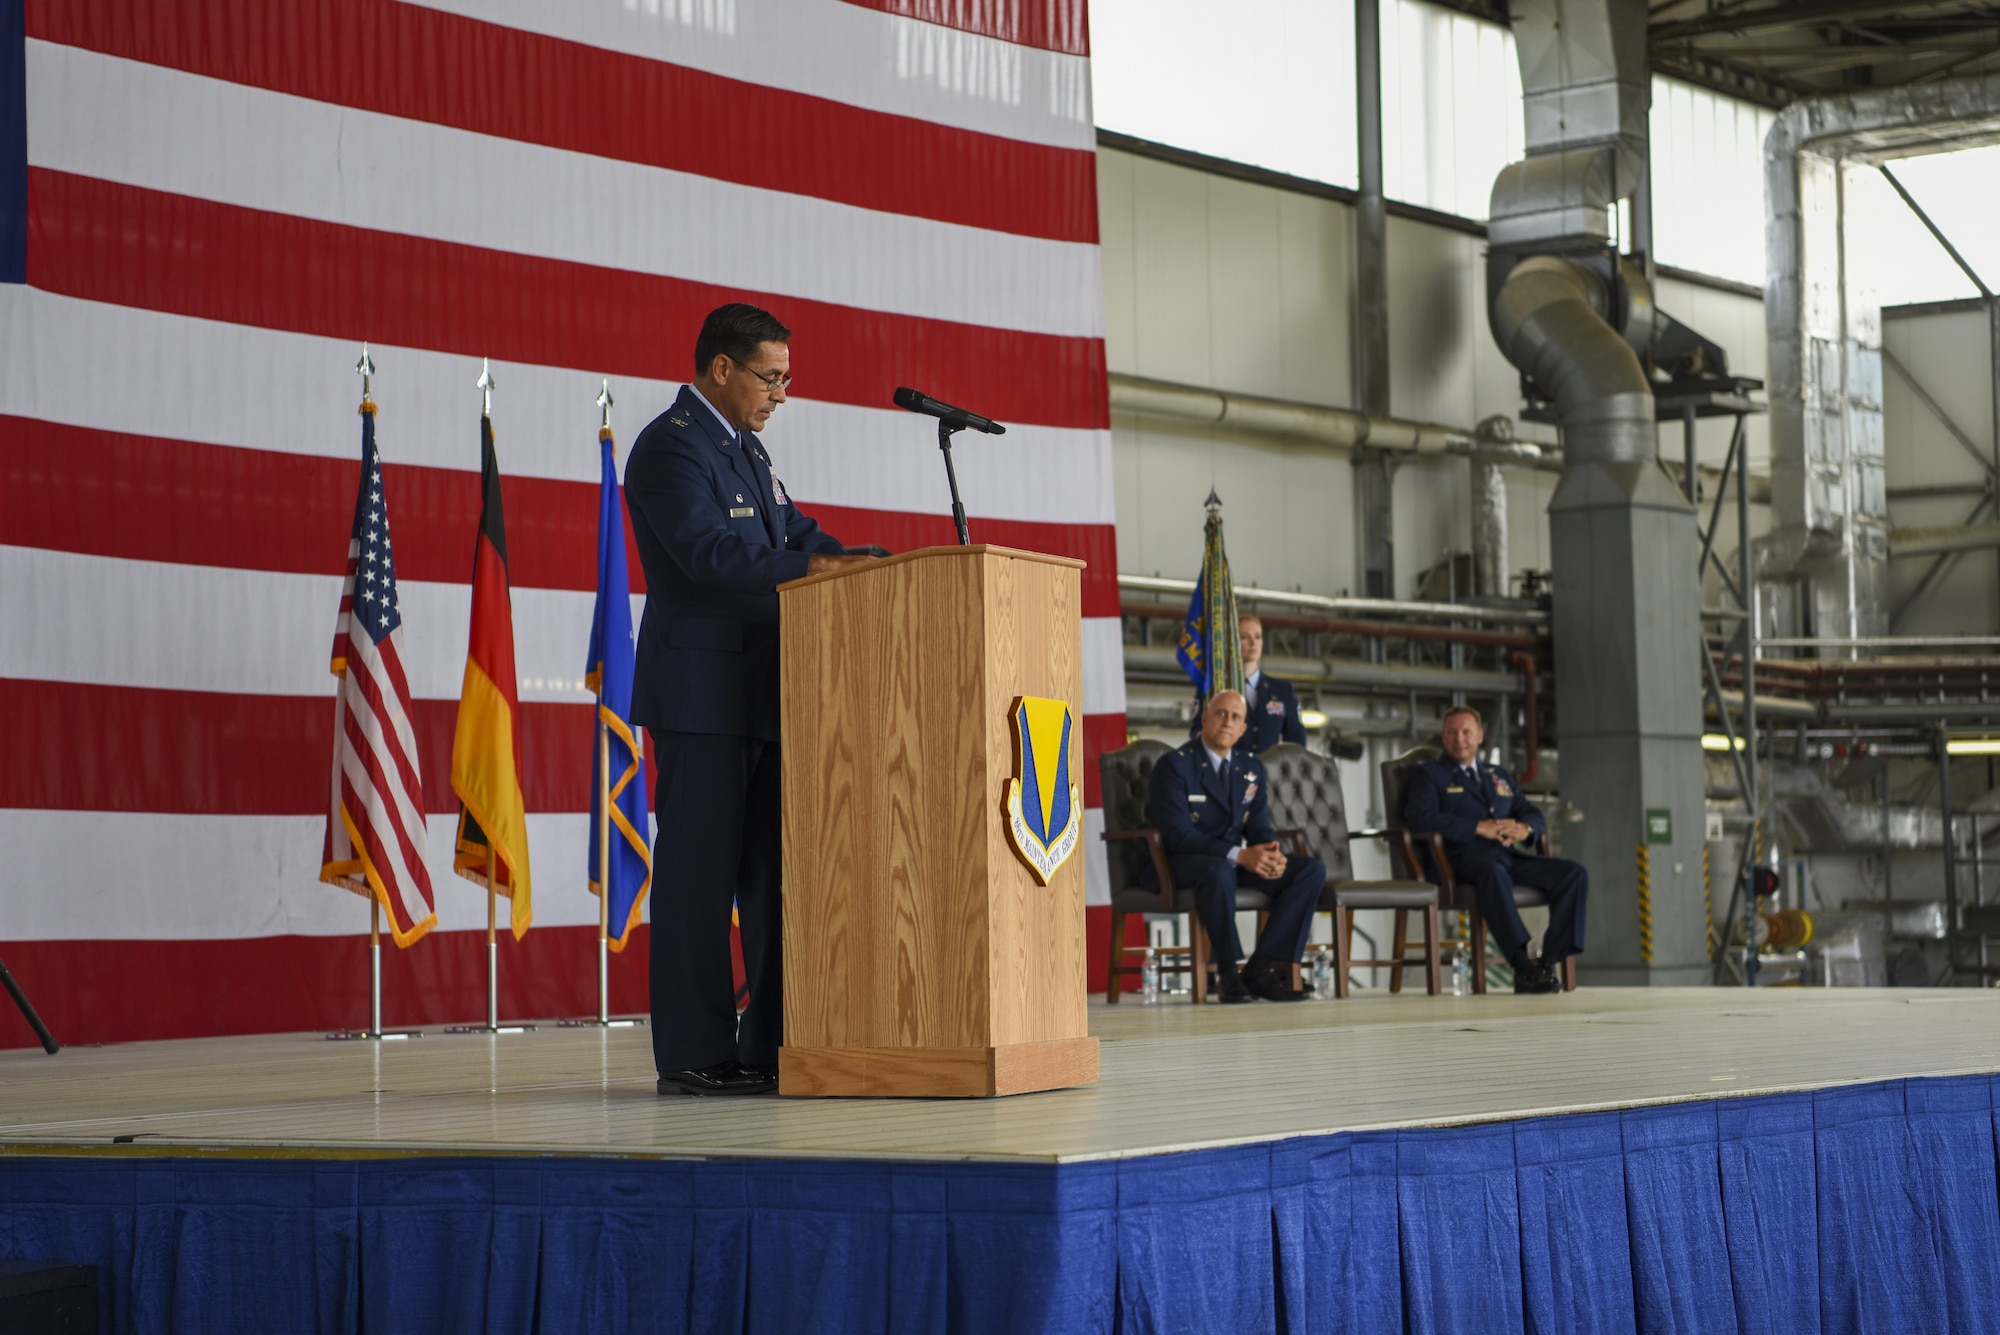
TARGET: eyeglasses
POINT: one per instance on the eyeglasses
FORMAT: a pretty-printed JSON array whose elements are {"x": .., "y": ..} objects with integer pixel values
[{"x": 777, "y": 380}]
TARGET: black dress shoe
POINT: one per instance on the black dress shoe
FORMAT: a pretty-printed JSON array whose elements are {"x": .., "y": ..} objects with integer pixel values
[
  {"x": 1268, "y": 981},
  {"x": 721, "y": 1078},
  {"x": 1229, "y": 988},
  {"x": 1535, "y": 978}
]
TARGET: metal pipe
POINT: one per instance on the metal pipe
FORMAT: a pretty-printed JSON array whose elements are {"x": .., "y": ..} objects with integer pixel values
[
  {"x": 1160, "y": 661},
  {"x": 1533, "y": 765},
  {"x": 1489, "y": 529},
  {"x": 1550, "y": 319},
  {"x": 1879, "y": 642},
  {"x": 1340, "y": 428},
  {"x": 1929, "y": 540},
  {"x": 1378, "y": 606},
  {"x": 1388, "y": 630}
]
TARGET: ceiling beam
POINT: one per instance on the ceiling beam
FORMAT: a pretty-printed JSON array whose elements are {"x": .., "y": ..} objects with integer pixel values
[{"x": 1800, "y": 13}]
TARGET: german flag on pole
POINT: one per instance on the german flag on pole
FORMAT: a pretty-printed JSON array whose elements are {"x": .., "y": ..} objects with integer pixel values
[{"x": 485, "y": 755}]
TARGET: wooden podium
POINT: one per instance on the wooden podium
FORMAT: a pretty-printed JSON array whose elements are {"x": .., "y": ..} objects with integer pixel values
[{"x": 922, "y": 957}]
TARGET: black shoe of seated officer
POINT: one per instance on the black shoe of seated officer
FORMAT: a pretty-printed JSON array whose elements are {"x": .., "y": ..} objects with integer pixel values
[
  {"x": 1229, "y": 988},
  {"x": 1270, "y": 980},
  {"x": 1534, "y": 978},
  {"x": 732, "y": 1078}
]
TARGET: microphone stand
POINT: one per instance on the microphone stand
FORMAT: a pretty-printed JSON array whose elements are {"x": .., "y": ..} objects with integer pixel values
[
  {"x": 49, "y": 1044},
  {"x": 945, "y": 432}
]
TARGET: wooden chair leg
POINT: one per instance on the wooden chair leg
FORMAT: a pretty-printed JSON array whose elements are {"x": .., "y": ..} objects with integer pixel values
[
  {"x": 1569, "y": 973},
  {"x": 1433, "y": 983},
  {"x": 1198, "y": 939},
  {"x": 1114, "y": 974},
  {"x": 1343, "y": 942},
  {"x": 1402, "y": 936},
  {"x": 1478, "y": 953}
]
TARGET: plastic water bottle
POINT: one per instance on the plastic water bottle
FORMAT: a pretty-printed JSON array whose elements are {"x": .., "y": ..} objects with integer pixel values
[
  {"x": 1149, "y": 978},
  {"x": 1322, "y": 974},
  {"x": 1461, "y": 971}
]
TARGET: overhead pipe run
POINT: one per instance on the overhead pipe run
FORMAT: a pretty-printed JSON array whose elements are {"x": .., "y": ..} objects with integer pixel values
[
  {"x": 1380, "y": 607},
  {"x": 1942, "y": 538},
  {"x": 1158, "y": 660},
  {"x": 1338, "y": 428},
  {"x": 1379, "y": 630}
]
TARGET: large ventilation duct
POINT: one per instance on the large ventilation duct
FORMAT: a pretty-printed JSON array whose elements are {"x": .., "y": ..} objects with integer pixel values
[
  {"x": 1829, "y": 509},
  {"x": 1575, "y": 320}
]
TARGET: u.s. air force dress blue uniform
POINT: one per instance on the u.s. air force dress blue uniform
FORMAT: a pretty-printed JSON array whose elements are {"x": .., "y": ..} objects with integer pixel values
[
  {"x": 1452, "y": 799},
  {"x": 1203, "y": 813},
  {"x": 716, "y": 535},
  {"x": 1273, "y": 716}
]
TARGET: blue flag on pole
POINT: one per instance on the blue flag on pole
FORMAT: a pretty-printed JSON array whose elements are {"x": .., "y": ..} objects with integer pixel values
[{"x": 609, "y": 675}]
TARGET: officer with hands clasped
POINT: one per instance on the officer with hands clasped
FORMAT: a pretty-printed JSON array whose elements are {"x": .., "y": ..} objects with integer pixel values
[
  {"x": 1272, "y": 707},
  {"x": 717, "y": 534},
  {"x": 1206, "y": 801},
  {"x": 1485, "y": 819}
]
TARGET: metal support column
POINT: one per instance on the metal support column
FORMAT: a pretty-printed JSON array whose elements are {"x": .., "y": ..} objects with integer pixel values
[
  {"x": 1372, "y": 478},
  {"x": 1952, "y": 940}
]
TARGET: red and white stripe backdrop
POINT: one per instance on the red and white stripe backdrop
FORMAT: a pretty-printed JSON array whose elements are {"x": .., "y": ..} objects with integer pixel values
[{"x": 227, "y": 196}]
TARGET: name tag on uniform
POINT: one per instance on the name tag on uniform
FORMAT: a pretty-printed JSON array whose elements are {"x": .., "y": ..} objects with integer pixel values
[
  {"x": 1197, "y": 797},
  {"x": 1459, "y": 789},
  {"x": 742, "y": 511}
]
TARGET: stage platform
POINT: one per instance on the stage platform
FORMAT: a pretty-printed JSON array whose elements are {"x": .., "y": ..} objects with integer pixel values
[{"x": 1608, "y": 1159}]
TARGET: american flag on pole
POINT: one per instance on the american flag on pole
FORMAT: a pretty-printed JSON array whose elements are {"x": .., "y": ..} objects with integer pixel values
[{"x": 375, "y": 828}]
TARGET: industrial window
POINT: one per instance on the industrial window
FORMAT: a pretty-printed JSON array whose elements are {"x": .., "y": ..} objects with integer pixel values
[
  {"x": 1451, "y": 107},
  {"x": 1893, "y": 251},
  {"x": 1269, "y": 83},
  {"x": 1708, "y": 181}
]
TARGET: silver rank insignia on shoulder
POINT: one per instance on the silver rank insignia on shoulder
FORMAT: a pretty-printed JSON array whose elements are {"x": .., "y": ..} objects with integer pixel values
[
  {"x": 742, "y": 511},
  {"x": 778, "y": 489},
  {"x": 677, "y": 421}
]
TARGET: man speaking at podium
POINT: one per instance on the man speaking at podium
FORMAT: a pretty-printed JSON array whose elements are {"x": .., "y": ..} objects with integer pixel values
[{"x": 717, "y": 535}]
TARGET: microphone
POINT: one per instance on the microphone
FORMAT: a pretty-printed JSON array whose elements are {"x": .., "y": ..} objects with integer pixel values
[{"x": 955, "y": 418}]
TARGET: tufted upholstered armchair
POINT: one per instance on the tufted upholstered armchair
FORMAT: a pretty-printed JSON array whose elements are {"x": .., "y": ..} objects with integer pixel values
[
  {"x": 1421, "y": 853},
  {"x": 1130, "y": 841},
  {"x": 1306, "y": 797}
]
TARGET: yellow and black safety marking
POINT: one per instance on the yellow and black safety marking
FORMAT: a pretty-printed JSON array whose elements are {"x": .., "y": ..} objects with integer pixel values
[{"x": 1645, "y": 905}]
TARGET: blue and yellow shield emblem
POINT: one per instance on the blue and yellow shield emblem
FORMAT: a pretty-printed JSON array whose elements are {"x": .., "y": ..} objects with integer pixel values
[{"x": 1044, "y": 809}]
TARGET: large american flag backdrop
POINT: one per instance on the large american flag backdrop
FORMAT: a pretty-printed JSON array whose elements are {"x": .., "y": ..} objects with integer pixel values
[{"x": 207, "y": 205}]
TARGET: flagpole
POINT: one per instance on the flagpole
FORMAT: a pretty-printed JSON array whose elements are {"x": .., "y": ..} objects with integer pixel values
[
  {"x": 365, "y": 368},
  {"x": 603, "y": 867},
  {"x": 492, "y": 946},
  {"x": 374, "y": 967}
]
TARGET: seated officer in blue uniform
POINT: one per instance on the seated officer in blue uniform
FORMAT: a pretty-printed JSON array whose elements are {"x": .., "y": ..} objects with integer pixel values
[
  {"x": 717, "y": 535},
  {"x": 1485, "y": 819},
  {"x": 1272, "y": 705},
  {"x": 1206, "y": 800}
]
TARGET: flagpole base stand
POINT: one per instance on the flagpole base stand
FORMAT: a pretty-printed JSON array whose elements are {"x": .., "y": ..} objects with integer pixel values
[
  {"x": 594, "y": 1023},
  {"x": 349, "y": 1035},
  {"x": 490, "y": 1028}
]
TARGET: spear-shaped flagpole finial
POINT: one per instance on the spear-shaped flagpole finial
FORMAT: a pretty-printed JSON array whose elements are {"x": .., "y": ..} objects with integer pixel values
[
  {"x": 604, "y": 402},
  {"x": 1213, "y": 504},
  {"x": 365, "y": 368},
  {"x": 486, "y": 383}
]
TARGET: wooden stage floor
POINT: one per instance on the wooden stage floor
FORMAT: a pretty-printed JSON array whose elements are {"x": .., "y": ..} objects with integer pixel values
[{"x": 1175, "y": 1077}]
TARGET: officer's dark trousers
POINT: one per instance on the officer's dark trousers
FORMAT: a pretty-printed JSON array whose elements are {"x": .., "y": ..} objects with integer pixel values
[
  {"x": 1493, "y": 879},
  {"x": 717, "y": 805},
  {"x": 1295, "y": 895}
]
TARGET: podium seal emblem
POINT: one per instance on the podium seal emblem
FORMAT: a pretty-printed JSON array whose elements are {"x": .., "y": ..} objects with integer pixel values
[{"x": 1044, "y": 809}]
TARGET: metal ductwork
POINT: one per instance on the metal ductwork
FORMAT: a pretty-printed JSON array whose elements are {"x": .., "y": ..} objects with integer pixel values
[
  {"x": 1829, "y": 509},
  {"x": 1576, "y": 320}
]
